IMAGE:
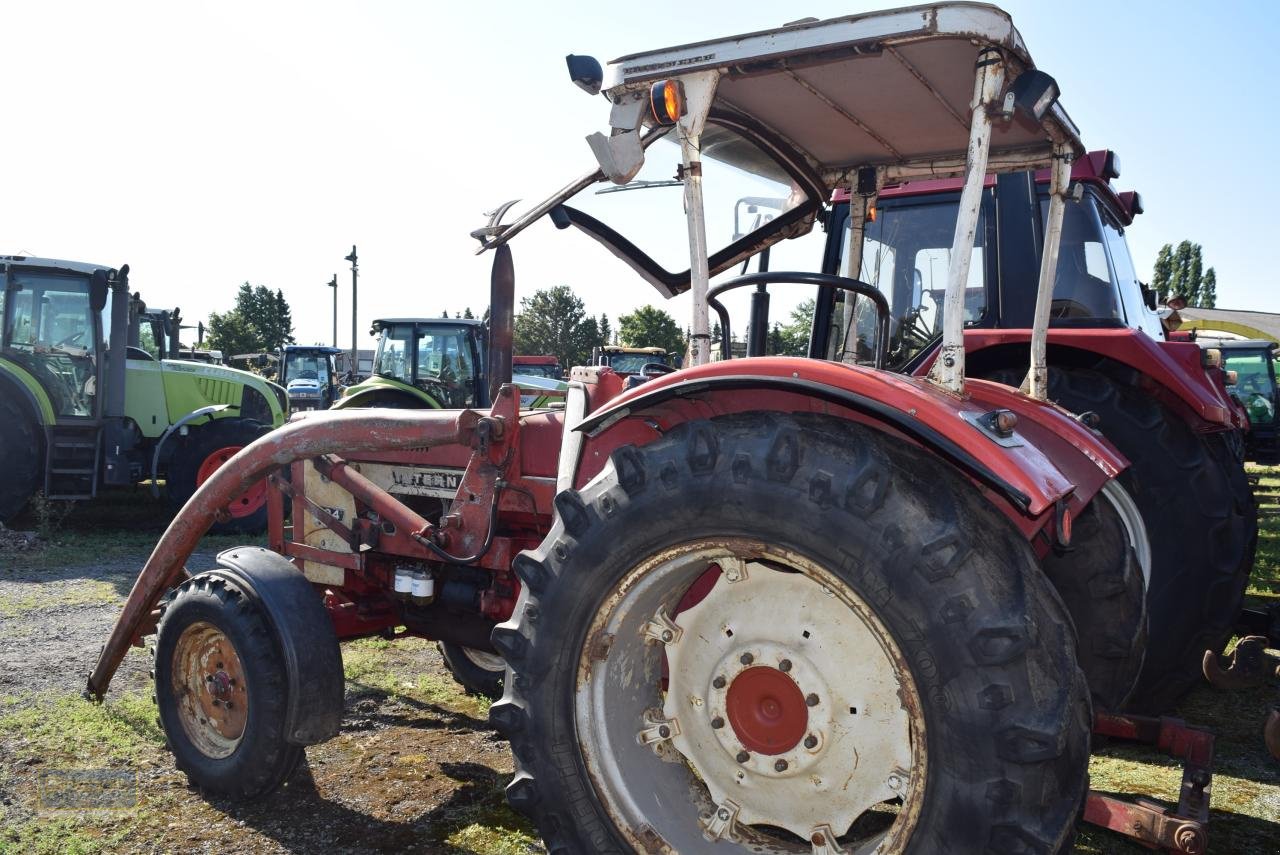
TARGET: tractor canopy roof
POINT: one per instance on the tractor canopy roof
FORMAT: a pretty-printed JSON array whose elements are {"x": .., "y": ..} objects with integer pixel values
[
  {"x": 1240, "y": 344},
  {"x": 311, "y": 348},
  {"x": 382, "y": 323},
  {"x": 890, "y": 89},
  {"x": 53, "y": 264},
  {"x": 816, "y": 106}
]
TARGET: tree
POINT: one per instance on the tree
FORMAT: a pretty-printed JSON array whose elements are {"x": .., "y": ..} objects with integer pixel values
[
  {"x": 232, "y": 333},
  {"x": 260, "y": 321},
  {"x": 1179, "y": 272},
  {"x": 1163, "y": 274},
  {"x": 1209, "y": 290},
  {"x": 793, "y": 339},
  {"x": 648, "y": 326},
  {"x": 554, "y": 321},
  {"x": 445, "y": 314},
  {"x": 466, "y": 313},
  {"x": 606, "y": 331}
]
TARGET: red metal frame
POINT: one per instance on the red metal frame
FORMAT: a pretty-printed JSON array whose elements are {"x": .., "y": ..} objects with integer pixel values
[
  {"x": 1171, "y": 370},
  {"x": 1184, "y": 829},
  {"x": 1071, "y": 463}
]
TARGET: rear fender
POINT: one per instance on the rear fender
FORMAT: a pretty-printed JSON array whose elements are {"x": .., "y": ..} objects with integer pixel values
[
  {"x": 1171, "y": 371},
  {"x": 304, "y": 633},
  {"x": 1022, "y": 479},
  {"x": 18, "y": 383},
  {"x": 380, "y": 396}
]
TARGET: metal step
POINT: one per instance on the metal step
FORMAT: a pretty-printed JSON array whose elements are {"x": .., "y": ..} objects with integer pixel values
[{"x": 71, "y": 466}]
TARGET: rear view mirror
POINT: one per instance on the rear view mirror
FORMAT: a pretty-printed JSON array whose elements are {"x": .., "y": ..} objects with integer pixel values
[{"x": 98, "y": 289}]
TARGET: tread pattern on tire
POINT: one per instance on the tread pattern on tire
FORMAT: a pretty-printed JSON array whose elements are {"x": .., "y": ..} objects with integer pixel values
[
  {"x": 1200, "y": 516},
  {"x": 1016, "y": 686},
  {"x": 20, "y": 444},
  {"x": 259, "y": 765}
]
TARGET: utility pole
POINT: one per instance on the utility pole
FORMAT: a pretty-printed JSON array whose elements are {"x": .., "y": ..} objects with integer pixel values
[
  {"x": 333, "y": 283},
  {"x": 355, "y": 351}
]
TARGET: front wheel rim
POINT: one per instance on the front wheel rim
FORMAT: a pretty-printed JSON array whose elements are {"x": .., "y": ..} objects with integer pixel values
[
  {"x": 210, "y": 690},
  {"x": 789, "y": 712}
]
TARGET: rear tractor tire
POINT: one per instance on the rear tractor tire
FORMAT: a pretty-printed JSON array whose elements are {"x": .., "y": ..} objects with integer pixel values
[
  {"x": 221, "y": 686},
  {"x": 1200, "y": 516},
  {"x": 770, "y": 632},
  {"x": 199, "y": 454},
  {"x": 21, "y": 460}
]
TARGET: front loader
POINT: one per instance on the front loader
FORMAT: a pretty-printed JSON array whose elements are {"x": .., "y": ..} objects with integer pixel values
[
  {"x": 756, "y": 605},
  {"x": 83, "y": 405}
]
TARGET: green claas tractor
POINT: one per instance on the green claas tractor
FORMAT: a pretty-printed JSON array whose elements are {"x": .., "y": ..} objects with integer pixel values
[
  {"x": 424, "y": 363},
  {"x": 82, "y": 406}
]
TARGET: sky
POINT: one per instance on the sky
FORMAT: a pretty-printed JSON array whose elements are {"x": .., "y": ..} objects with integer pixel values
[{"x": 212, "y": 144}]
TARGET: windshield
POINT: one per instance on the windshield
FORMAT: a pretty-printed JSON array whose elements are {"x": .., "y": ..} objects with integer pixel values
[
  {"x": 1085, "y": 288},
  {"x": 1255, "y": 383},
  {"x": 537, "y": 370},
  {"x": 51, "y": 331},
  {"x": 906, "y": 253},
  {"x": 631, "y": 363},
  {"x": 299, "y": 366},
  {"x": 438, "y": 359}
]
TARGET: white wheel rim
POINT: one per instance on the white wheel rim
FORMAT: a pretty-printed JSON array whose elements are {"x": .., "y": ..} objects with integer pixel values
[
  {"x": 753, "y": 761},
  {"x": 1134, "y": 527},
  {"x": 484, "y": 660}
]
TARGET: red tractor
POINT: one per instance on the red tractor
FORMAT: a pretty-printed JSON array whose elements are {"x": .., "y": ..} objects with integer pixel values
[{"x": 764, "y": 604}]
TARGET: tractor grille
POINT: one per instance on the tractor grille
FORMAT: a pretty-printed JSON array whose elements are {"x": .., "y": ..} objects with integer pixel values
[{"x": 219, "y": 391}]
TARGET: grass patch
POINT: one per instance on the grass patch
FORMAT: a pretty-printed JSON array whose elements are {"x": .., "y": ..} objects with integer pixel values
[
  {"x": 68, "y": 728},
  {"x": 389, "y": 668},
  {"x": 59, "y": 836},
  {"x": 82, "y": 592}
]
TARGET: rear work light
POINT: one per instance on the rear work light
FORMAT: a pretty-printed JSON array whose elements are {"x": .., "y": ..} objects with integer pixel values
[{"x": 666, "y": 101}]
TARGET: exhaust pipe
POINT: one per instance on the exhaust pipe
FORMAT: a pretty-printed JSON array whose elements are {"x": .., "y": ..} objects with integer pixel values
[{"x": 502, "y": 299}]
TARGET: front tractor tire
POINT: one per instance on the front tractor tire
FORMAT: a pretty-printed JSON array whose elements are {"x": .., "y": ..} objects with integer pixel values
[
  {"x": 221, "y": 689},
  {"x": 789, "y": 633},
  {"x": 1200, "y": 516},
  {"x": 21, "y": 458},
  {"x": 200, "y": 453}
]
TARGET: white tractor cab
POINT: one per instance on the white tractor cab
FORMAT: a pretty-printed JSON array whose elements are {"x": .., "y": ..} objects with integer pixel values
[{"x": 727, "y": 609}]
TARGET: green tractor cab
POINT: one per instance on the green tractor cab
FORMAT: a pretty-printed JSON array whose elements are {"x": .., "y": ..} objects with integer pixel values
[
  {"x": 430, "y": 363},
  {"x": 1251, "y": 370},
  {"x": 83, "y": 404}
]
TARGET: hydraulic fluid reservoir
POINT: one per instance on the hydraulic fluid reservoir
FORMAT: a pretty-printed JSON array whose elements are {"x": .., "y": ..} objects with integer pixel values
[
  {"x": 424, "y": 587},
  {"x": 404, "y": 583}
]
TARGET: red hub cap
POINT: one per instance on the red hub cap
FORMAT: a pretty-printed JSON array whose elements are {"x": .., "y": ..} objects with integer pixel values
[
  {"x": 767, "y": 710},
  {"x": 253, "y": 499}
]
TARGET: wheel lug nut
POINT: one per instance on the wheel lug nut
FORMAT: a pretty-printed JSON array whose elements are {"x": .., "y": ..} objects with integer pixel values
[
  {"x": 780, "y": 766},
  {"x": 743, "y": 757},
  {"x": 667, "y": 635},
  {"x": 718, "y": 682},
  {"x": 664, "y": 731},
  {"x": 227, "y": 704},
  {"x": 784, "y": 666},
  {"x": 746, "y": 659},
  {"x": 811, "y": 741},
  {"x": 217, "y": 703},
  {"x": 811, "y": 700},
  {"x": 717, "y": 722},
  {"x": 209, "y": 679}
]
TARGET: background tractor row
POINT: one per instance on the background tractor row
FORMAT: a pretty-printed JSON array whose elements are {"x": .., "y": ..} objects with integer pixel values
[
  {"x": 83, "y": 405},
  {"x": 831, "y": 606}
]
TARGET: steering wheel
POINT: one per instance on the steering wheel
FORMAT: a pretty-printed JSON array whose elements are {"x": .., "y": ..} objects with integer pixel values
[
  {"x": 655, "y": 369},
  {"x": 69, "y": 339},
  {"x": 825, "y": 281}
]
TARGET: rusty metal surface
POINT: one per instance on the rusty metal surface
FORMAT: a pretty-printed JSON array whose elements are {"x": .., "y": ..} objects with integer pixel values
[
  {"x": 212, "y": 693},
  {"x": 1271, "y": 733},
  {"x": 322, "y": 432},
  {"x": 1184, "y": 829},
  {"x": 1245, "y": 667},
  {"x": 1147, "y": 824}
]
